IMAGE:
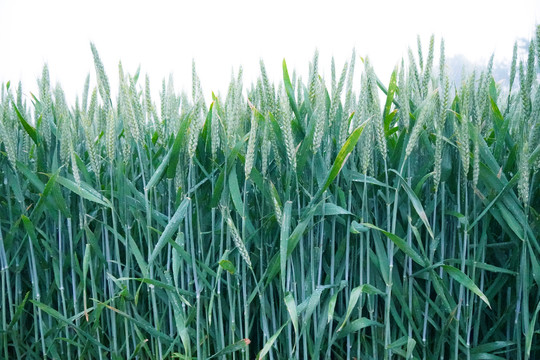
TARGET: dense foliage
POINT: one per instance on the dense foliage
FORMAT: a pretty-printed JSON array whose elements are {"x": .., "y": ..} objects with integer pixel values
[{"x": 320, "y": 219}]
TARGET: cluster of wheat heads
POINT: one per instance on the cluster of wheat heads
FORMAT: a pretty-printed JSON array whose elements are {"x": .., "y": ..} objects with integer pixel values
[{"x": 329, "y": 218}]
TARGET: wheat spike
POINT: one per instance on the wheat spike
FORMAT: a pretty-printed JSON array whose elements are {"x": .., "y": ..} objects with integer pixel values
[
  {"x": 523, "y": 167},
  {"x": 285, "y": 125},
  {"x": 103, "y": 80},
  {"x": 7, "y": 138},
  {"x": 314, "y": 77},
  {"x": 429, "y": 65},
  {"x": 236, "y": 238},
  {"x": 250, "y": 153},
  {"x": 319, "y": 114},
  {"x": 46, "y": 103},
  {"x": 404, "y": 110},
  {"x": 418, "y": 127},
  {"x": 375, "y": 108},
  {"x": 110, "y": 135}
]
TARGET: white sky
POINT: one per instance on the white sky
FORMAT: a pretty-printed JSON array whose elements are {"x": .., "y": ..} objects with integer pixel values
[{"x": 164, "y": 36}]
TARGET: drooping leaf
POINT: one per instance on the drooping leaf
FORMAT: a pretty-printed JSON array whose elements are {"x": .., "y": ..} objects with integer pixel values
[{"x": 466, "y": 281}]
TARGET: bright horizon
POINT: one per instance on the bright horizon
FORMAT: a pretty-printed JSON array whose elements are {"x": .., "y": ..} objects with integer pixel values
[{"x": 221, "y": 36}]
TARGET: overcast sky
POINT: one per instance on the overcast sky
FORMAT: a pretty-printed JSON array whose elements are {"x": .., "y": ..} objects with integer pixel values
[{"x": 164, "y": 36}]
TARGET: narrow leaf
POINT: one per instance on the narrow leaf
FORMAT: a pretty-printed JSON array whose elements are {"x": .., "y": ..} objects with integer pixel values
[
  {"x": 401, "y": 244},
  {"x": 270, "y": 342},
  {"x": 466, "y": 281},
  {"x": 237, "y": 346},
  {"x": 291, "y": 308},
  {"x": 285, "y": 229},
  {"x": 27, "y": 127},
  {"x": 170, "y": 229},
  {"x": 355, "y": 295}
]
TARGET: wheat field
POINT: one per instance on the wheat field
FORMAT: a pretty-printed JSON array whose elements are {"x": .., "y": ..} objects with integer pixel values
[{"x": 336, "y": 218}]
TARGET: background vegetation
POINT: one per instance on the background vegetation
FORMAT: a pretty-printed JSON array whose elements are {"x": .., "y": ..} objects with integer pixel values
[{"x": 326, "y": 218}]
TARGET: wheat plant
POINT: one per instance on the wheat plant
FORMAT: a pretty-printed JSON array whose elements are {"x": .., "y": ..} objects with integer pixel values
[{"x": 338, "y": 218}]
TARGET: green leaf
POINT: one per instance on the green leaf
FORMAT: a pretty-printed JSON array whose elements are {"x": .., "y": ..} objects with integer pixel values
[
  {"x": 34, "y": 241},
  {"x": 228, "y": 266},
  {"x": 31, "y": 176},
  {"x": 234, "y": 189},
  {"x": 60, "y": 203},
  {"x": 86, "y": 264},
  {"x": 331, "y": 209},
  {"x": 416, "y": 203},
  {"x": 491, "y": 347},
  {"x": 158, "y": 174},
  {"x": 507, "y": 187},
  {"x": 311, "y": 305},
  {"x": 483, "y": 266},
  {"x": 401, "y": 244},
  {"x": 411, "y": 343},
  {"x": 85, "y": 191},
  {"x": 218, "y": 189},
  {"x": 355, "y": 295},
  {"x": 170, "y": 229},
  {"x": 357, "y": 228},
  {"x": 178, "y": 142},
  {"x": 466, "y": 281},
  {"x": 292, "y": 242},
  {"x": 231, "y": 162},
  {"x": 270, "y": 342},
  {"x": 141, "y": 322},
  {"x": 237, "y": 346},
  {"x": 290, "y": 91},
  {"x": 150, "y": 281},
  {"x": 355, "y": 326},
  {"x": 530, "y": 332},
  {"x": 333, "y": 300},
  {"x": 179, "y": 317},
  {"x": 30, "y": 130},
  {"x": 18, "y": 312},
  {"x": 291, "y": 308},
  {"x": 62, "y": 319},
  {"x": 285, "y": 230},
  {"x": 341, "y": 158},
  {"x": 535, "y": 266},
  {"x": 392, "y": 87},
  {"x": 358, "y": 177},
  {"x": 137, "y": 254}
]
